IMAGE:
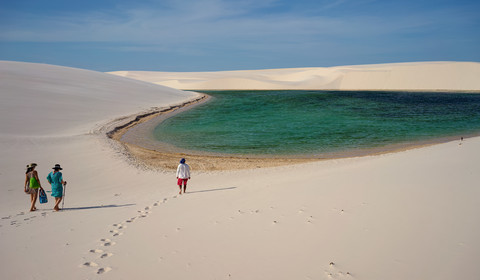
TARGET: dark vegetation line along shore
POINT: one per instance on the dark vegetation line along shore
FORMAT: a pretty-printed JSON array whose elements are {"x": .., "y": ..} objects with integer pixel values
[{"x": 140, "y": 118}]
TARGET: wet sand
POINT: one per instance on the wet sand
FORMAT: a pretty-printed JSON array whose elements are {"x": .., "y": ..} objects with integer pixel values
[{"x": 134, "y": 137}]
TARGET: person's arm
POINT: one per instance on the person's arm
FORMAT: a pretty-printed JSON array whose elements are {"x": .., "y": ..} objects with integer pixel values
[
  {"x": 27, "y": 181},
  {"x": 61, "y": 180},
  {"x": 188, "y": 171},
  {"x": 178, "y": 170}
]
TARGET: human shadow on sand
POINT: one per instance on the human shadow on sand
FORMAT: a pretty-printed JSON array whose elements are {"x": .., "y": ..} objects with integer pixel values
[
  {"x": 212, "y": 190},
  {"x": 96, "y": 207}
]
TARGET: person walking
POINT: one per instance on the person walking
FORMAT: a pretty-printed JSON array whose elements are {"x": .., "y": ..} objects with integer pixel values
[
  {"x": 55, "y": 178},
  {"x": 183, "y": 174},
  {"x": 32, "y": 184}
]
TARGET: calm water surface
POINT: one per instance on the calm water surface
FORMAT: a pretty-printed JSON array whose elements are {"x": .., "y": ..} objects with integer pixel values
[{"x": 316, "y": 122}]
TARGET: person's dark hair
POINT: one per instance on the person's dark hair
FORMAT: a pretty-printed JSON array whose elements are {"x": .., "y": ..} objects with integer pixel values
[{"x": 29, "y": 169}]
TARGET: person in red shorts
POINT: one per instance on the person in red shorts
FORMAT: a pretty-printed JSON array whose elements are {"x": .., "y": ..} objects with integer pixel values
[{"x": 183, "y": 174}]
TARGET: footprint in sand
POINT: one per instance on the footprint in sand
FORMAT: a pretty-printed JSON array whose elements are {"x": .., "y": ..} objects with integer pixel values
[
  {"x": 116, "y": 232},
  {"x": 143, "y": 214},
  {"x": 119, "y": 226},
  {"x": 98, "y": 251},
  {"x": 165, "y": 200},
  {"x": 310, "y": 219},
  {"x": 108, "y": 242},
  {"x": 6, "y": 218},
  {"x": 333, "y": 272},
  {"x": 155, "y": 204},
  {"x": 90, "y": 264},
  {"x": 341, "y": 211},
  {"x": 103, "y": 270},
  {"x": 106, "y": 255},
  {"x": 131, "y": 220}
]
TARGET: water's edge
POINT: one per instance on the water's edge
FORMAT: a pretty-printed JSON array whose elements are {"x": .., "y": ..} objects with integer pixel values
[{"x": 141, "y": 134}]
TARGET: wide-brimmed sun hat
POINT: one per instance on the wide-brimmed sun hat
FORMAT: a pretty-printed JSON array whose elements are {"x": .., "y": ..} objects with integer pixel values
[
  {"x": 57, "y": 166},
  {"x": 31, "y": 165}
]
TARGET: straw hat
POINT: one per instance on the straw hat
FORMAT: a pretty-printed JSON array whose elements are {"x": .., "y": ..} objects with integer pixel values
[{"x": 31, "y": 165}]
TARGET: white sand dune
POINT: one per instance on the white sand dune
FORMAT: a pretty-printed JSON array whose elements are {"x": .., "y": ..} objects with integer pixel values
[
  {"x": 71, "y": 101},
  {"x": 407, "y": 215},
  {"x": 448, "y": 76}
]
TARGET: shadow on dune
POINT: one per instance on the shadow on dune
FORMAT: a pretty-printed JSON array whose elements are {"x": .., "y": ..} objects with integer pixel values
[
  {"x": 97, "y": 207},
  {"x": 212, "y": 190}
]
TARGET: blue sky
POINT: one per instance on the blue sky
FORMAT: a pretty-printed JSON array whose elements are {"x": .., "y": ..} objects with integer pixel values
[{"x": 214, "y": 35}]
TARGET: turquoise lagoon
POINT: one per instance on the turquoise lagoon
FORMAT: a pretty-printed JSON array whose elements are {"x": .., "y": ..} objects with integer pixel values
[{"x": 285, "y": 123}]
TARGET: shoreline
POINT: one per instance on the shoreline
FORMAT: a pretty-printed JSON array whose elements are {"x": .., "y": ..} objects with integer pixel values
[
  {"x": 158, "y": 155},
  {"x": 167, "y": 159}
]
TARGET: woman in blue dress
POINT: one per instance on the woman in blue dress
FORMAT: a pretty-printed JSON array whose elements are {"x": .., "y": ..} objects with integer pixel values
[{"x": 55, "y": 178}]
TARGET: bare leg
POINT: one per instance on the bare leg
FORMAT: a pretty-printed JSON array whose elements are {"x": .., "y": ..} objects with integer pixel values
[
  {"x": 184, "y": 188},
  {"x": 33, "y": 200},
  {"x": 57, "y": 202},
  {"x": 180, "y": 186}
]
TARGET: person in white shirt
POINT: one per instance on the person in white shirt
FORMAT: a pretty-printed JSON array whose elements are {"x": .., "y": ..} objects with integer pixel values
[{"x": 183, "y": 174}]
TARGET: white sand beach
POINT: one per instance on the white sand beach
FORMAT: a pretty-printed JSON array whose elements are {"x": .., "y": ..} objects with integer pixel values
[{"x": 403, "y": 215}]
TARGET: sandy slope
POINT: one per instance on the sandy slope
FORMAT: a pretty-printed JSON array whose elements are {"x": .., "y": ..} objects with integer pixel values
[
  {"x": 395, "y": 76},
  {"x": 51, "y": 115},
  {"x": 408, "y": 215}
]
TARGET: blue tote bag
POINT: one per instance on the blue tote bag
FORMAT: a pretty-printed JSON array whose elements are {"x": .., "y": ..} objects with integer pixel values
[{"x": 42, "y": 196}]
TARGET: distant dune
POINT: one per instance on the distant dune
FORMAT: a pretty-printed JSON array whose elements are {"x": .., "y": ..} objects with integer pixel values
[{"x": 436, "y": 76}]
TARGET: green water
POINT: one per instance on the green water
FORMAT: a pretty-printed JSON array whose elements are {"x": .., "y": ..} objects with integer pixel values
[{"x": 316, "y": 122}]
